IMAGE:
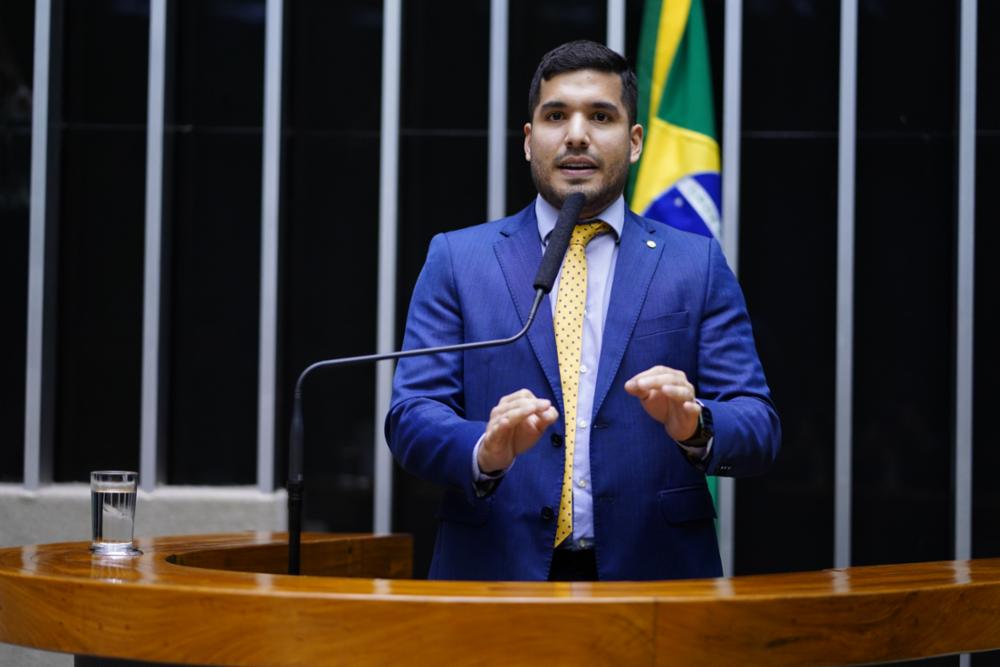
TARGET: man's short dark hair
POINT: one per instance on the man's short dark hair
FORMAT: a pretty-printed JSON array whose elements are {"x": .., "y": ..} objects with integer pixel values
[{"x": 584, "y": 54}]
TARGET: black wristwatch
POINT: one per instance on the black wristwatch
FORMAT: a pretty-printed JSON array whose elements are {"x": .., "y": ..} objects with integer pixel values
[{"x": 705, "y": 431}]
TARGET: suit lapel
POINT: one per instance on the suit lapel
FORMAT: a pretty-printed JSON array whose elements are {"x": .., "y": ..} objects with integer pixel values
[
  {"x": 633, "y": 272},
  {"x": 519, "y": 252}
]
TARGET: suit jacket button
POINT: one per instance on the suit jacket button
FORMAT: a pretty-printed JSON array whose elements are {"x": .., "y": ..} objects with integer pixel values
[
  {"x": 557, "y": 440},
  {"x": 547, "y": 513}
]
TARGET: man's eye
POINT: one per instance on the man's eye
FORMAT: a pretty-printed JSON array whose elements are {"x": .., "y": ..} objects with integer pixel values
[
  {"x": 601, "y": 117},
  {"x": 556, "y": 115}
]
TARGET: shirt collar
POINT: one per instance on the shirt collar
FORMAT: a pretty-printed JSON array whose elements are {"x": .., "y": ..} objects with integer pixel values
[{"x": 546, "y": 213}]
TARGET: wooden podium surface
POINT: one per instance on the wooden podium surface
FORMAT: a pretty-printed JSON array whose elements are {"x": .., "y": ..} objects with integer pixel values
[{"x": 221, "y": 600}]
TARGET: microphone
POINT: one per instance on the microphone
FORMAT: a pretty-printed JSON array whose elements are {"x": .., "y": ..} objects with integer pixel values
[
  {"x": 547, "y": 270},
  {"x": 558, "y": 242}
]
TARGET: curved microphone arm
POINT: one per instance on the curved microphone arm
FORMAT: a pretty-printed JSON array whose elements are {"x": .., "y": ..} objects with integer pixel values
[
  {"x": 295, "y": 447},
  {"x": 552, "y": 259}
]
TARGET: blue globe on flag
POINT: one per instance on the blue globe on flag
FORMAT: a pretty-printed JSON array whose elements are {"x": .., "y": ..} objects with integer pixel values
[{"x": 692, "y": 204}]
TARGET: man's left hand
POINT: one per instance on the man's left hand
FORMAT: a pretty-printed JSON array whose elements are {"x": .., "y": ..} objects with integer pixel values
[{"x": 668, "y": 397}]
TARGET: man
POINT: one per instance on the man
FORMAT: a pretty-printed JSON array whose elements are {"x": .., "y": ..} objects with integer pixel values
[{"x": 580, "y": 452}]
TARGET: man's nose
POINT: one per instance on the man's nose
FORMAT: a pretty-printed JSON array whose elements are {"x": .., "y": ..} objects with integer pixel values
[{"x": 576, "y": 132}]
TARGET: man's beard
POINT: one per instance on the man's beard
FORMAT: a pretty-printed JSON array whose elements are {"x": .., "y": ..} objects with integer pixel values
[{"x": 597, "y": 199}]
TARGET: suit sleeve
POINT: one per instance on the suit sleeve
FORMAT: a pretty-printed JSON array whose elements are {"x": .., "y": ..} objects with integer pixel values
[
  {"x": 731, "y": 379},
  {"x": 426, "y": 427}
]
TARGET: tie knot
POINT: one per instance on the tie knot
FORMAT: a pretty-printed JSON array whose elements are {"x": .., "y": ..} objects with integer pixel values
[{"x": 586, "y": 232}]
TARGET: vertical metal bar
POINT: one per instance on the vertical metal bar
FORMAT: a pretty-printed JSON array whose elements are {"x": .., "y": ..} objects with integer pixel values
[
  {"x": 35, "y": 433},
  {"x": 731, "y": 131},
  {"x": 966, "y": 280},
  {"x": 271, "y": 188},
  {"x": 149, "y": 440},
  {"x": 387, "y": 224},
  {"x": 845, "y": 283},
  {"x": 496, "y": 176},
  {"x": 731, "y": 138},
  {"x": 616, "y": 26}
]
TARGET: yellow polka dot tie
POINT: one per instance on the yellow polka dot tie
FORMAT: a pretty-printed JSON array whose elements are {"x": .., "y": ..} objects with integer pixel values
[{"x": 568, "y": 323}]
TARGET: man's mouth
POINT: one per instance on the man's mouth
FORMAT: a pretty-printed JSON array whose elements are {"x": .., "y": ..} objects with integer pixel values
[{"x": 578, "y": 166}]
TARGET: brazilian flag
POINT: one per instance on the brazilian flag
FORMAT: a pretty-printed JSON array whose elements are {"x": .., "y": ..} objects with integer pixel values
[{"x": 677, "y": 180}]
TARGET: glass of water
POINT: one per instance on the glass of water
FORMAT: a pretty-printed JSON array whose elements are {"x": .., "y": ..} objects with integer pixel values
[{"x": 112, "y": 508}]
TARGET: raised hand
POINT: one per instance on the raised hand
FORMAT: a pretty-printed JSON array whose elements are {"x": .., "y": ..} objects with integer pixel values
[
  {"x": 667, "y": 397},
  {"x": 515, "y": 425}
]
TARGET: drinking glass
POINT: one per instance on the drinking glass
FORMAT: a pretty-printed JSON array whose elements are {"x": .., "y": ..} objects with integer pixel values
[{"x": 112, "y": 507}]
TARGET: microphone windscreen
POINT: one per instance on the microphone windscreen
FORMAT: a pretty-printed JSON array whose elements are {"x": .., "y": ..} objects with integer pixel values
[{"x": 559, "y": 241}]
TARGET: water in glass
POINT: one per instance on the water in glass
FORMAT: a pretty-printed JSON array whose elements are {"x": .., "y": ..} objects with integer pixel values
[{"x": 112, "y": 496}]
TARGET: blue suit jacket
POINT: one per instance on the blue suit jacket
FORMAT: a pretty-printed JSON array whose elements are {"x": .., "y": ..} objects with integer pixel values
[{"x": 676, "y": 304}]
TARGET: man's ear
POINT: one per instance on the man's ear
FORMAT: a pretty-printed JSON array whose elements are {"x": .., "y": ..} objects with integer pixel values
[
  {"x": 527, "y": 142},
  {"x": 635, "y": 140}
]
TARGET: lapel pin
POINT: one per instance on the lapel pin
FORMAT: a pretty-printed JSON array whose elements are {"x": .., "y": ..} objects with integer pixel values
[{"x": 651, "y": 243}]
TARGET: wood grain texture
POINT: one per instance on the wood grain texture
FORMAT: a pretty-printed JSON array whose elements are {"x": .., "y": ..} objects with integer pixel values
[{"x": 221, "y": 600}]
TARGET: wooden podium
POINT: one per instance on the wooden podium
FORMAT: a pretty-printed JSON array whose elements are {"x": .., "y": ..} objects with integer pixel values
[{"x": 221, "y": 600}]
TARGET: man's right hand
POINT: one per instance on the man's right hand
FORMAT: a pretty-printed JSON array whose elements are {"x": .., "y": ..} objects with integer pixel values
[{"x": 515, "y": 425}]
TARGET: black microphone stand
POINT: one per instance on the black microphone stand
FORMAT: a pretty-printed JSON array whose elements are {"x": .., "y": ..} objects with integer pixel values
[{"x": 295, "y": 449}]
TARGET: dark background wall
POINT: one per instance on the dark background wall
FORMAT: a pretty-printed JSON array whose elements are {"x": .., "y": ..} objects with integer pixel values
[
  {"x": 905, "y": 250},
  {"x": 16, "y": 71}
]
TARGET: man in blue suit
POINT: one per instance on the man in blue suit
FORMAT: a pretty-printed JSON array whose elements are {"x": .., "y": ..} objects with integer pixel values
[{"x": 665, "y": 382}]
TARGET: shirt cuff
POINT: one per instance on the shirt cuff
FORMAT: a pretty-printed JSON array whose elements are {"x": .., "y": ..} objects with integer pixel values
[{"x": 697, "y": 454}]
